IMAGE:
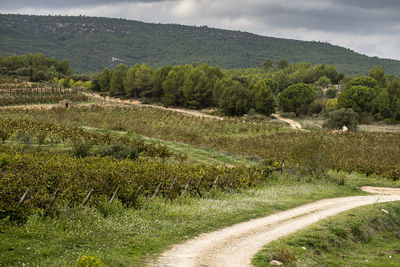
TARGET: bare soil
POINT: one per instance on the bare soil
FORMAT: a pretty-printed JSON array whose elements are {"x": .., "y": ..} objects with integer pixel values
[{"x": 237, "y": 245}]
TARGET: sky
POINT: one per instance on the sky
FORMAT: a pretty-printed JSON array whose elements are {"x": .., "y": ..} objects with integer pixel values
[{"x": 370, "y": 27}]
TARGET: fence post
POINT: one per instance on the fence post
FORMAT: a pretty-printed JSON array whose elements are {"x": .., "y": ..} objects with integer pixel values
[
  {"x": 157, "y": 190},
  {"x": 87, "y": 198},
  {"x": 214, "y": 183},
  {"x": 53, "y": 199},
  {"x": 114, "y": 195},
  {"x": 186, "y": 187},
  {"x": 139, "y": 191},
  {"x": 171, "y": 189},
  {"x": 198, "y": 186},
  {"x": 23, "y": 198}
]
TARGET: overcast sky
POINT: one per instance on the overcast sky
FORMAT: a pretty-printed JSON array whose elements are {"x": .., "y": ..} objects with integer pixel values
[{"x": 371, "y": 27}]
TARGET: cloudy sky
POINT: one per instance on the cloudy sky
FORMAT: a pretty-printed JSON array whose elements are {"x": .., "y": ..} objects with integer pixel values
[{"x": 371, "y": 27}]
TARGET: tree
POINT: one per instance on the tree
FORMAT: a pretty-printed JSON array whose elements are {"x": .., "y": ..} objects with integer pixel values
[
  {"x": 268, "y": 64},
  {"x": 196, "y": 89},
  {"x": 160, "y": 76},
  {"x": 297, "y": 98},
  {"x": 342, "y": 117},
  {"x": 323, "y": 81},
  {"x": 264, "y": 101},
  {"x": 104, "y": 80},
  {"x": 359, "y": 98},
  {"x": 172, "y": 86},
  {"x": 64, "y": 67},
  {"x": 283, "y": 64},
  {"x": 379, "y": 75},
  {"x": 116, "y": 80},
  {"x": 363, "y": 81},
  {"x": 144, "y": 80},
  {"x": 129, "y": 82},
  {"x": 235, "y": 100},
  {"x": 389, "y": 101}
]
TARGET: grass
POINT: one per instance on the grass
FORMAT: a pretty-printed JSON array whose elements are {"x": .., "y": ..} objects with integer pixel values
[
  {"x": 361, "y": 237},
  {"x": 124, "y": 237},
  {"x": 194, "y": 155}
]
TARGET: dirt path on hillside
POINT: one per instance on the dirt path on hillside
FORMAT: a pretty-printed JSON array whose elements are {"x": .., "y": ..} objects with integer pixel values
[
  {"x": 138, "y": 103},
  {"x": 292, "y": 123},
  {"x": 236, "y": 245}
]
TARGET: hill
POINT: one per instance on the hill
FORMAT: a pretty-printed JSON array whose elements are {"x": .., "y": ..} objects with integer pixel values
[{"x": 91, "y": 43}]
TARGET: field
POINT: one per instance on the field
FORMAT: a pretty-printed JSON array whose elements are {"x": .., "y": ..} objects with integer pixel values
[
  {"x": 174, "y": 176},
  {"x": 14, "y": 92}
]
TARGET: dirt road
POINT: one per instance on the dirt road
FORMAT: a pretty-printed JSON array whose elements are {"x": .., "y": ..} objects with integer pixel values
[
  {"x": 236, "y": 245},
  {"x": 292, "y": 123},
  {"x": 138, "y": 103}
]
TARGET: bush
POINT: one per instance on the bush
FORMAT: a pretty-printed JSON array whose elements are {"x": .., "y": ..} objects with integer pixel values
[
  {"x": 331, "y": 93},
  {"x": 316, "y": 107},
  {"x": 120, "y": 151},
  {"x": 342, "y": 117},
  {"x": 297, "y": 98},
  {"x": 81, "y": 149}
]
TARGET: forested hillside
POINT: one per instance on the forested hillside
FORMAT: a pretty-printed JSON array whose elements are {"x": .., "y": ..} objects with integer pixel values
[{"x": 90, "y": 44}]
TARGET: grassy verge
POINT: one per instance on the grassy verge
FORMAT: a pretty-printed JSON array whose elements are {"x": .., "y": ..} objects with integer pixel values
[
  {"x": 364, "y": 236},
  {"x": 126, "y": 237}
]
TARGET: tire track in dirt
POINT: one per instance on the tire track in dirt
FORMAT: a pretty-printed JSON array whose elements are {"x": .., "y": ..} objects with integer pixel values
[{"x": 236, "y": 245}]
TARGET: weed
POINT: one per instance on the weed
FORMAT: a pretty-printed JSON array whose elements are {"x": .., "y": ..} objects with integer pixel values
[{"x": 282, "y": 254}]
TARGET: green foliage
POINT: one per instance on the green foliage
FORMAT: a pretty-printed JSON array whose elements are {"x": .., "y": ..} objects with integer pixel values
[
  {"x": 235, "y": 100},
  {"x": 264, "y": 101},
  {"x": 378, "y": 74},
  {"x": 104, "y": 80},
  {"x": 342, "y": 117},
  {"x": 310, "y": 157},
  {"x": 268, "y": 64},
  {"x": 157, "y": 44},
  {"x": 36, "y": 67},
  {"x": 197, "y": 89},
  {"x": 359, "y": 98},
  {"x": 117, "y": 80},
  {"x": 297, "y": 98},
  {"x": 119, "y": 151},
  {"x": 81, "y": 149},
  {"x": 362, "y": 81},
  {"x": 283, "y": 64},
  {"x": 261, "y": 139},
  {"x": 331, "y": 93},
  {"x": 44, "y": 172},
  {"x": 323, "y": 81},
  {"x": 89, "y": 261},
  {"x": 389, "y": 101},
  {"x": 282, "y": 254}
]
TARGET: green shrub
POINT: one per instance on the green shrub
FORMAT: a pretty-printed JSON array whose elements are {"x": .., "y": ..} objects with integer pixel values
[
  {"x": 331, "y": 93},
  {"x": 81, "y": 149},
  {"x": 342, "y": 117},
  {"x": 119, "y": 150}
]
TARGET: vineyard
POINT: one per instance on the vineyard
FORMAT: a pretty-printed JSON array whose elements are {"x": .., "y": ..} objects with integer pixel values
[
  {"x": 18, "y": 93},
  {"x": 368, "y": 153},
  {"x": 45, "y": 174}
]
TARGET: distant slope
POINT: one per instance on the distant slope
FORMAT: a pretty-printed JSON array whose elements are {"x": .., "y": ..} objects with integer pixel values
[{"x": 90, "y": 44}]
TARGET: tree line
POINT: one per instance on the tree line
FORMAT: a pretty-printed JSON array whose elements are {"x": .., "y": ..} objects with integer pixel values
[{"x": 197, "y": 86}]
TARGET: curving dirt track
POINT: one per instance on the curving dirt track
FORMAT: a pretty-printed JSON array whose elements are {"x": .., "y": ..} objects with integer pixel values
[
  {"x": 236, "y": 245},
  {"x": 292, "y": 123}
]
